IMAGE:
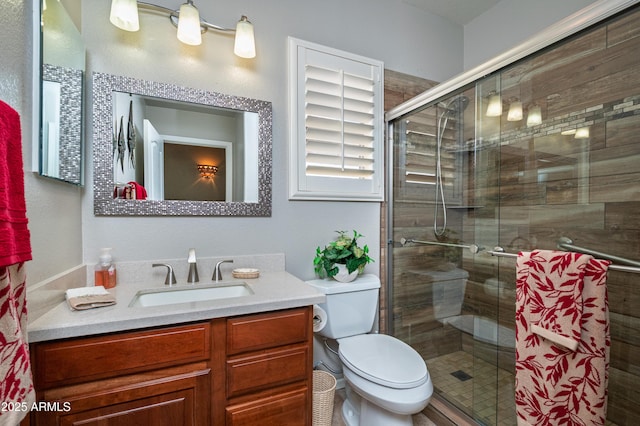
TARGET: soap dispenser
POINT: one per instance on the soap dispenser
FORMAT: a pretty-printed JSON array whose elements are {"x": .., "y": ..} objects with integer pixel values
[{"x": 105, "y": 270}]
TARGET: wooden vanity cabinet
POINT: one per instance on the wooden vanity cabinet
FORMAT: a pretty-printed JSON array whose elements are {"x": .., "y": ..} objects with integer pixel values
[{"x": 246, "y": 370}]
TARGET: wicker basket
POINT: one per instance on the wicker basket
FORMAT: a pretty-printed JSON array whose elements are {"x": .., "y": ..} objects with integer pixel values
[{"x": 324, "y": 388}]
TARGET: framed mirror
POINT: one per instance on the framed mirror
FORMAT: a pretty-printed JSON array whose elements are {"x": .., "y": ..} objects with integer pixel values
[
  {"x": 61, "y": 91},
  {"x": 161, "y": 149}
]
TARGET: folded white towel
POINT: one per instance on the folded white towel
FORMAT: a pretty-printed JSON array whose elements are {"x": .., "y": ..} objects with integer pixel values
[{"x": 89, "y": 297}]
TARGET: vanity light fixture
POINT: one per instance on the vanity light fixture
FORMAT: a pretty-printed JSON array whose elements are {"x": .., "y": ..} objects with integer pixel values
[
  {"x": 494, "y": 109},
  {"x": 515, "y": 111},
  {"x": 207, "y": 171},
  {"x": 535, "y": 116},
  {"x": 124, "y": 15}
]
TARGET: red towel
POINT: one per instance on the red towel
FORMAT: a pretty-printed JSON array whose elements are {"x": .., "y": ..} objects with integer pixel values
[
  {"x": 562, "y": 339},
  {"x": 15, "y": 246},
  {"x": 141, "y": 192}
]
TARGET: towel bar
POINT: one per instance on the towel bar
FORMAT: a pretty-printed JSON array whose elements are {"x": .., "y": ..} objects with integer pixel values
[
  {"x": 567, "y": 244},
  {"x": 499, "y": 252}
]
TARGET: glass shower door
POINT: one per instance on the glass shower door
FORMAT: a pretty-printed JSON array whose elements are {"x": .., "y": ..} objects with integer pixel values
[{"x": 444, "y": 201}]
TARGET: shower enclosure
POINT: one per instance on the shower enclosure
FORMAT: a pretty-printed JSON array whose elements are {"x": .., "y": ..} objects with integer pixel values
[{"x": 543, "y": 146}]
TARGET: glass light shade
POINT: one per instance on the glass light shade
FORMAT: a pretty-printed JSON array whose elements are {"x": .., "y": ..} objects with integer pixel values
[
  {"x": 189, "y": 25},
  {"x": 582, "y": 133},
  {"x": 535, "y": 116},
  {"x": 245, "y": 44},
  {"x": 515, "y": 111},
  {"x": 124, "y": 14},
  {"x": 494, "y": 109}
]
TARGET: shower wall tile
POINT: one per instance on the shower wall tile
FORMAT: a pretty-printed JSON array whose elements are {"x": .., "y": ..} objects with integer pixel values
[{"x": 625, "y": 29}]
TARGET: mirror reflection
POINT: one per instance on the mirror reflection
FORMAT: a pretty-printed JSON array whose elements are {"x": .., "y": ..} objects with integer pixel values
[
  {"x": 63, "y": 63},
  {"x": 170, "y": 150},
  {"x": 162, "y": 149}
]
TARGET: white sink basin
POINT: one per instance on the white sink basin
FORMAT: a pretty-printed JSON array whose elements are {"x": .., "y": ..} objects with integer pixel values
[{"x": 191, "y": 293}]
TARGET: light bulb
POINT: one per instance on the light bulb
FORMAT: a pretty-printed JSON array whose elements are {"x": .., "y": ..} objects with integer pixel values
[
  {"x": 124, "y": 15},
  {"x": 582, "y": 133},
  {"x": 494, "y": 109},
  {"x": 189, "y": 25},
  {"x": 535, "y": 116},
  {"x": 245, "y": 45},
  {"x": 515, "y": 111}
]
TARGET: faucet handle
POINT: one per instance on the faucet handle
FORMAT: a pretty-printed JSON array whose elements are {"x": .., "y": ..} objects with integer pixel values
[
  {"x": 217, "y": 274},
  {"x": 170, "y": 278}
]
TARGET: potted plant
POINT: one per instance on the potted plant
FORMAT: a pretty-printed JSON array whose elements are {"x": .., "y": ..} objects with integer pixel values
[{"x": 342, "y": 259}]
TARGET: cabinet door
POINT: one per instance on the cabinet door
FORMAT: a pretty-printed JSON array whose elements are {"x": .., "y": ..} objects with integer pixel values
[
  {"x": 181, "y": 399},
  {"x": 286, "y": 409}
]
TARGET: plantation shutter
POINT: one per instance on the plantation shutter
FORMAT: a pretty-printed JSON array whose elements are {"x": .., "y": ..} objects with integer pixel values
[{"x": 336, "y": 105}]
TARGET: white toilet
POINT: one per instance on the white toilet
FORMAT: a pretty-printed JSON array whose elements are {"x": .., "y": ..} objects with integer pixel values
[{"x": 387, "y": 380}]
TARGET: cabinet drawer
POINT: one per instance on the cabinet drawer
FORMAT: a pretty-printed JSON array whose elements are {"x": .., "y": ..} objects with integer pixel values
[
  {"x": 262, "y": 331},
  {"x": 79, "y": 360},
  {"x": 177, "y": 396},
  {"x": 265, "y": 370},
  {"x": 288, "y": 408}
]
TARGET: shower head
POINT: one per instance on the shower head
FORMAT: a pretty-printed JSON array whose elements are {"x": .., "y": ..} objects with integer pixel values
[{"x": 456, "y": 105}]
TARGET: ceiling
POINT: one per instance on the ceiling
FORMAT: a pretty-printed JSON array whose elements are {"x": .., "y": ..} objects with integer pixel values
[{"x": 458, "y": 11}]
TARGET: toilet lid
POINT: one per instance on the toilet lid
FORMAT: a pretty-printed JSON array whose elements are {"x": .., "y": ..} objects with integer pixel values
[{"x": 384, "y": 360}]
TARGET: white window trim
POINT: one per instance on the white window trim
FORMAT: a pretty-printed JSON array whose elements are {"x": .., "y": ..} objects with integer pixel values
[{"x": 305, "y": 187}]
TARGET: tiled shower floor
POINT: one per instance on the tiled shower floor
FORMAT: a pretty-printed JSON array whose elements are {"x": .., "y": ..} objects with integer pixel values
[{"x": 479, "y": 394}]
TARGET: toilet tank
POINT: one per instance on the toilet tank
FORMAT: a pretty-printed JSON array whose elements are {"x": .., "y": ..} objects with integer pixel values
[{"x": 351, "y": 307}]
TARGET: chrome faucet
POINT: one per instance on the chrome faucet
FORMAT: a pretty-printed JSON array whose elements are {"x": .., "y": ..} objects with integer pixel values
[
  {"x": 193, "y": 267},
  {"x": 171, "y": 278},
  {"x": 217, "y": 274}
]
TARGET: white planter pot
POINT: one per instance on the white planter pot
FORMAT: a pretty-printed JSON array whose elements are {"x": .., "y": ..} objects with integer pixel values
[{"x": 343, "y": 275}]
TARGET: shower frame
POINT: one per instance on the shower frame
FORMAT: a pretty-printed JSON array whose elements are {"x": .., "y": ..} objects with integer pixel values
[{"x": 579, "y": 21}]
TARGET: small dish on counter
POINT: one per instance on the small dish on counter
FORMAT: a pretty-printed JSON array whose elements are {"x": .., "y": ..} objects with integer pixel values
[{"x": 245, "y": 273}]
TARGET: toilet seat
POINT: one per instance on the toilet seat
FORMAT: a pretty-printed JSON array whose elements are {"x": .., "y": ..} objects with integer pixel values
[{"x": 384, "y": 360}]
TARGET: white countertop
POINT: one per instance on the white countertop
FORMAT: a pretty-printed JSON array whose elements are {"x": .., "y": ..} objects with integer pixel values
[{"x": 272, "y": 291}]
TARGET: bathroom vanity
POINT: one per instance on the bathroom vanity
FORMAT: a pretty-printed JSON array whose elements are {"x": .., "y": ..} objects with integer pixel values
[
  {"x": 236, "y": 361},
  {"x": 240, "y": 370}
]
